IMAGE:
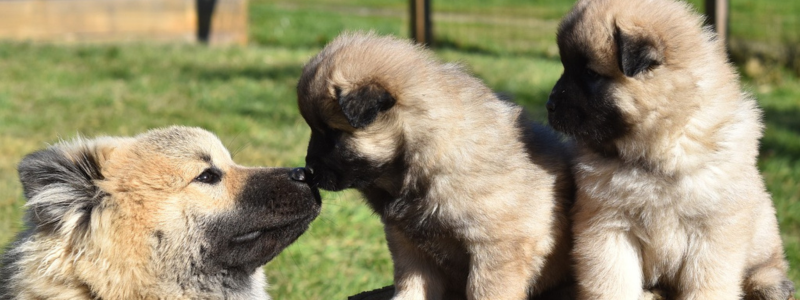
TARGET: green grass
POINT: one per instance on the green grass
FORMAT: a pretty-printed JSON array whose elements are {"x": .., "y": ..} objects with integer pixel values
[
  {"x": 777, "y": 20},
  {"x": 247, "y": 96},
  {"x": 275, "y": 24},
  {"x": 780, "y": 160}
]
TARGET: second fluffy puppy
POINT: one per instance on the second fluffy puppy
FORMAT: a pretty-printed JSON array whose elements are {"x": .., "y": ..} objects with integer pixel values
[
  {"x": 669, "y": 193},
  {"x": 472, "y": 196}
]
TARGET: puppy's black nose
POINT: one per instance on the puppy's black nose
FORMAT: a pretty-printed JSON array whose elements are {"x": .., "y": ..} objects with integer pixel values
[
  {"x": 551, "y": 105},
  {"x": 299, "y": 174}
]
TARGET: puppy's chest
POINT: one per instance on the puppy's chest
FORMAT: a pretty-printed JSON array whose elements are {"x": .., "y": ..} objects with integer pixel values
[
  {"x": 649, "y": 205},
  {"x": 625, "y": 188},
  {"x": 666, "y": 217}
]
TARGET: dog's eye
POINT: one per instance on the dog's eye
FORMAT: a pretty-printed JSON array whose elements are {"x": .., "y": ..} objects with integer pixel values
[
  {"x": 338, "y": 91},
  {"x": 591, "y": 74},
  {"x": 209, "y": 176}
]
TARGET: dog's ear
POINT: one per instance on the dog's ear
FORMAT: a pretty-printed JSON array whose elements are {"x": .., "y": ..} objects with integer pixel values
[
  {"x": 60, "y": 183},
  {"x": 637, "y": 52},
  {"x": 362, "y": 105}
]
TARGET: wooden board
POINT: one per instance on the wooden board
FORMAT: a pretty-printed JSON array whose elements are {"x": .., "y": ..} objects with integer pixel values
[{"x": 119, "y": 20}]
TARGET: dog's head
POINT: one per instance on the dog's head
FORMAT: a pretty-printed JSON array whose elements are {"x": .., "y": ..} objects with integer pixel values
[
  {"x": 352, "y": 96},
  {"x": 625, "y": 63},
  {"x": 165, "y": 212}
]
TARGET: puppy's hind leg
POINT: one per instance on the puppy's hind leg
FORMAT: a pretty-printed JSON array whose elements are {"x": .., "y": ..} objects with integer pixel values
[
  {"x": 415, "y": 277},
  {"x": 768, "y": 281},
  {"x": 502, "y": 270},
  {"x": 713, "y": 269}
]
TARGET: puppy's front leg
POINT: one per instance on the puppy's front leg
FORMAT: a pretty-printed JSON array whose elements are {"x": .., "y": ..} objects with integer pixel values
[
  {"x": 415, "y": 277},
  {"x": 713, "y": 270},
  {"x": 608, "y": 266},
  {"x": 503, "y": 269}
]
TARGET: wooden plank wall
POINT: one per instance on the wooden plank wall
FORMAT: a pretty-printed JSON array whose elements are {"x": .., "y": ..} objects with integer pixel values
[{"x": 119, "y": 21}]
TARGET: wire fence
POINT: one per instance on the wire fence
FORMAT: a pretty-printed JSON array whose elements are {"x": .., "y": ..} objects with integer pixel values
[{"x": 762, "y": 30}]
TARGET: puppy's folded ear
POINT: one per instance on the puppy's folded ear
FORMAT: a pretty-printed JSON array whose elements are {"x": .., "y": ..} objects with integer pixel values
[
  {"x": 362, "y": 105},
  {"x": 60, "y": 182},
  {"x": 637, "y": 52}
]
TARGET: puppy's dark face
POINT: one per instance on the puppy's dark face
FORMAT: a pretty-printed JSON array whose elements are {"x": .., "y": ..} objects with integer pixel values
[
  {"x": 582, "y": 103},
  {"x": 336, "y": 164},
  {"x": 603, "y": 65},
  {"x": 353, "y": 141}
]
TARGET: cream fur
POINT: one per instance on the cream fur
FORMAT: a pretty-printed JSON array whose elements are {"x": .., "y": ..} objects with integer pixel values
[
  {"x": 682, "y": 204},
  {"x": 484, "y": 189}
]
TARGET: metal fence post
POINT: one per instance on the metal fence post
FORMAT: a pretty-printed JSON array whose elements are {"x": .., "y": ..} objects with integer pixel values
[
  {"x": 717, "y": 16},
  {"x": 205, "y": 10},
  {"x": 421, "y": 21}
]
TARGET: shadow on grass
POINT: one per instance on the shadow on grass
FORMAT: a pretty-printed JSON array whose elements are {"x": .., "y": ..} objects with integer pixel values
[
  {"x": 446, "y": 43},
  {"x": 262, "y": 92},
  {"x": 787, "y": 124},
  {"x": 533, "y": 100},
  {"x": 254, "y": 72},
  {"x": 449, "y": 44}
]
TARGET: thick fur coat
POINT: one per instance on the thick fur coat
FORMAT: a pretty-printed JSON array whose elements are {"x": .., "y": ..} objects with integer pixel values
[
  {"x": 669, "y": 195},
  {"x": 163, "y": 215},
  {"x": 473, "y": 196}
]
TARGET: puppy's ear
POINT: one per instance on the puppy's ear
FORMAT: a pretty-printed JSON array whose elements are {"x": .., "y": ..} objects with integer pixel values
[
  {"x": 60, "y": 183},
  {"x": 637, "y": 52},
  {"x": 362, "y": 105}
]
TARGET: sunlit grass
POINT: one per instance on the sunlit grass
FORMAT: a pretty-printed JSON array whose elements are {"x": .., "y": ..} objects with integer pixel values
[{"x": 247, "y": 96}]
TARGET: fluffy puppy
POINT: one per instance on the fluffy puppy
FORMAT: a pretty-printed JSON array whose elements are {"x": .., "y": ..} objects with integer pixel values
[
  {"x": 163, "y": 215},
  {"x": 472, "y": 196},
  {"x": 668, "y": 190}
]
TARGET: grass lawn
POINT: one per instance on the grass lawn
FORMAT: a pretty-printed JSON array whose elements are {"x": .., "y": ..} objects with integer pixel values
[{"x": 247, "y": 96}]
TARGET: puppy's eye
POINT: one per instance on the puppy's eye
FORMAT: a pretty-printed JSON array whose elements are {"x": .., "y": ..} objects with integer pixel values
[
  {"x": 337, "y": 91},
  {"x": 591, "y": 74},
  {"x": 209, "y": 176}
]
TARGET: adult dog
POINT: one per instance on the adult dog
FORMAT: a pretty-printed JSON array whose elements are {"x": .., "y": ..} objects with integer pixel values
[
  {"x": 163, "y": 215},
  {"x": 473, "y": 197},
  {"x": 669, "y": 195}
]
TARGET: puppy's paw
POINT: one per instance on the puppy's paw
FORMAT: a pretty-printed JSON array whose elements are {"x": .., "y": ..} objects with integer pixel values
[
  {"x": 787, "y": 286},
  {"x": 783, "y": 291},
  {"x": 654, "y": 294}
]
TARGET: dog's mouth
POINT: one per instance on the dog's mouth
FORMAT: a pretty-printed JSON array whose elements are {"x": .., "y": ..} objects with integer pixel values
[
  {"x": 327, "y": 179},
  {"x": 316, "y": 195},
  {"x": 264, "y": 231}
]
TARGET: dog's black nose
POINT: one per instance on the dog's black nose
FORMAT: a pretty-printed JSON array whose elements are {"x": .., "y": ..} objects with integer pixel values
[
  {"x": 299, "y": 174},
  {"x": 551, "y": 105}
]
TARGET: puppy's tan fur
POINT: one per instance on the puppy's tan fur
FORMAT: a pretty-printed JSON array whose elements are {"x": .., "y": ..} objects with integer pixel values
[
  {"x": 675, "y": 199},
  {"x": 128, "y": 218},
  {"x": 473, "y": 199}
]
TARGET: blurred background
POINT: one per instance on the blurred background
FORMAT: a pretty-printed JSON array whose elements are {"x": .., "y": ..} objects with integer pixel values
[{"x": 120, "y": 67}]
